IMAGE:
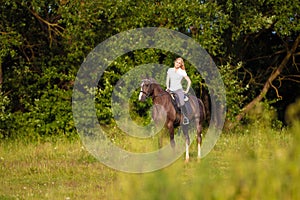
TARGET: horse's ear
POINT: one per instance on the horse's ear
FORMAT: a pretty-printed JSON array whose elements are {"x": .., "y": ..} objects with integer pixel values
[
  {"x": 152, "y": 80},
  {"x": 143, "y": 79},
  {"x": 146, "y": 77},
  {"x": 142, "y": 76}
]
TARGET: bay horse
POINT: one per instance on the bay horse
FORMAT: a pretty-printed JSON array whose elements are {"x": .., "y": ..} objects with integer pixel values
[{"x": 163, "y": 99}]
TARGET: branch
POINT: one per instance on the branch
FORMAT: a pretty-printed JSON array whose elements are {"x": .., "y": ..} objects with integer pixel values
[
  {"x": 263, "y": 57},
  {"x": 52, "y": 27},
  {"x": 251, "y": 76},
  {"x": 30, "y": 47},
  {"x": 5, "y": 33},
  {"x": 267, "y": 85},
  {"x": 292, "y": 78},
  {"x": 276, "y": 90},
  {"x": 294, "y": 61}
]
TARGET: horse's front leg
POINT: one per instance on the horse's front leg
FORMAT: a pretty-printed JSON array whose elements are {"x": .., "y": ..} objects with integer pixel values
[
  {"x": 187, "y": 142},
  {"x": 170, "y": 126}
]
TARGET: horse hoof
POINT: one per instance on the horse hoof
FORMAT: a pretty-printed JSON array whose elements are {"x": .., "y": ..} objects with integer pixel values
[
  {"x": 173, "y": 144},
  {"x": 198, "y": 159}
]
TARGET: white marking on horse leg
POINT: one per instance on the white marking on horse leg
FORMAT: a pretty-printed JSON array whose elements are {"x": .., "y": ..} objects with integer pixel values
[
  {"x": 199, "y": 150},
  {"x": 187, "y": 156},
  {"x": 140, "y": 95}
]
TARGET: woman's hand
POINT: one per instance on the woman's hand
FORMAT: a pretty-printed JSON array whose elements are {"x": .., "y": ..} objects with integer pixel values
[{"x": 188, "y": 85}]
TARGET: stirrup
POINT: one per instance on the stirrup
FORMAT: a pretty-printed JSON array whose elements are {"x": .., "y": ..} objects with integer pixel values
[{"x": 185, "y": 120}]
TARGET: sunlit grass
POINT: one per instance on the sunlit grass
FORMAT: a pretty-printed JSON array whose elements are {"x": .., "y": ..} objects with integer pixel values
[
  {"x": 250, "y": 162},
  {"x": 59, "y": 170},
  {"x": 260, "y": 165}
]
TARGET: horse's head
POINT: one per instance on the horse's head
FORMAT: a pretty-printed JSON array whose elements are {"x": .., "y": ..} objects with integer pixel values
[{"x": 146, "y": 89}]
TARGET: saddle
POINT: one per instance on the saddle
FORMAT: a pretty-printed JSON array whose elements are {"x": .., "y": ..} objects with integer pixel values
[
  {"x": 176, "y": 104},
  {"x": 175, "y": 101}
]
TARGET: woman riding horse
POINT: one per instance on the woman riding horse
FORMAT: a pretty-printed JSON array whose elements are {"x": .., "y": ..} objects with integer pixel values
[
  {"x": 164, "y": 108},
  {"x": 174, "y": 77}
]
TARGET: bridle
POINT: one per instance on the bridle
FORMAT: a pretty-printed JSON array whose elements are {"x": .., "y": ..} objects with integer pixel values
[
  {"x": 148, "y": 94},
  {"x": 142, "y": 91}
]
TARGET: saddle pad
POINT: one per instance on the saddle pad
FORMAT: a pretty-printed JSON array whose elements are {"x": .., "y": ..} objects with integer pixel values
[{"x": 175, "y": 101}]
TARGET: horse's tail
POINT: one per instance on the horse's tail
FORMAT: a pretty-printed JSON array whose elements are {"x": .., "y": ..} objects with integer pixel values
[{"x": 206, "y": 102}]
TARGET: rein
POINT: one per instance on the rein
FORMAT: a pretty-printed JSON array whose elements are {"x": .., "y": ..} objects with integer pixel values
[
  {"x": 151, "y": 93},
  {"x": 148, "y": 94}
]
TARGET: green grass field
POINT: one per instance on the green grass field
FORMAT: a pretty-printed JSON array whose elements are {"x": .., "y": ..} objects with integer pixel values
[
  {"x": 249, "y": 162},
  {"x": 60, "y": 170},
  {"x": 256, "y": 163}
]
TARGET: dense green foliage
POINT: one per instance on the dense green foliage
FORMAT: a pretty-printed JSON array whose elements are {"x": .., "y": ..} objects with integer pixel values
[{"x": 43, "y": 43}]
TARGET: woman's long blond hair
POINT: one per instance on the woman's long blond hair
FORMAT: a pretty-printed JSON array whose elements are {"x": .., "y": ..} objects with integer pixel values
[{"x": 182, "y": 63}]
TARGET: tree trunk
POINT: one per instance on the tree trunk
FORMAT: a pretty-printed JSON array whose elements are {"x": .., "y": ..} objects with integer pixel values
[
  {"x": 267, "y": 85},
  {"x": 1, "y": 76}
]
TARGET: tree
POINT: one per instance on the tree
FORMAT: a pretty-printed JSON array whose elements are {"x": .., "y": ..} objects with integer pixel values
[
  {"x": 33, "y": 69},
  {"x": 43, "y": 44},
  {"x": 266, "y": 40}
]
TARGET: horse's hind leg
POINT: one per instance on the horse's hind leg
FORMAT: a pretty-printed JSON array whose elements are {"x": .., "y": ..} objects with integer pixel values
[
  {"x": 199, "y": 139},
  {"x": 187, "y": 142}
]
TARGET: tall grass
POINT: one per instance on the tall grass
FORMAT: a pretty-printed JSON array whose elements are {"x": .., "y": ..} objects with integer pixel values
[
  {"x": 250, "y": 162},
  {"x": 260, "y": 165},
  {"x": 60, "y": 170}
]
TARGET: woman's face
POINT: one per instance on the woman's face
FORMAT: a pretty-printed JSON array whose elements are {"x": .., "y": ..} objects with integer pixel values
[{"x": 177, "y": 64}]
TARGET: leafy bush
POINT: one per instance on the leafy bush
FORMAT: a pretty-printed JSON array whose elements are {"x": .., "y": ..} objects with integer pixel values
[{"x": 4, "y": 114}]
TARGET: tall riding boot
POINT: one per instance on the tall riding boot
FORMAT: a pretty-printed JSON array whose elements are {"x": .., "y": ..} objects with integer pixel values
[{"x": 185, "y": 114}]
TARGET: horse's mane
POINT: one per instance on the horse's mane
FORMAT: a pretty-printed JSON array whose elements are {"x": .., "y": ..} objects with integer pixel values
[
  {"x": 160, "y": 89},
  {"x": 153, "y": 82}
]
